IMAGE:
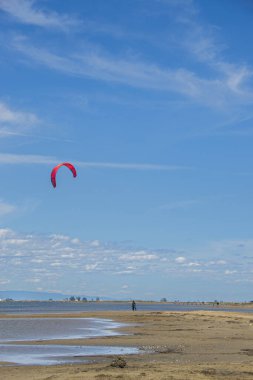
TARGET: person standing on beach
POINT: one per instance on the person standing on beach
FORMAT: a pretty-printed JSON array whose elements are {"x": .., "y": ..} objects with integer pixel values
[{"x": 133, "y": 305}]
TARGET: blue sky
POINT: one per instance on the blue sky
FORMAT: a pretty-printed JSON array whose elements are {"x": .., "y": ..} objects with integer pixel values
[{"x": 152, "y": 102}]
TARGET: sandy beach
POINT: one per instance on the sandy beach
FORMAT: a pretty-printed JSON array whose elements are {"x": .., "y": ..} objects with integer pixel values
[{"x": 174, "y": 345}]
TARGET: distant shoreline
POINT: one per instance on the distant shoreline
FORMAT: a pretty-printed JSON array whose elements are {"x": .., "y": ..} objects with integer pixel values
[{"x": 141, "y": 302}]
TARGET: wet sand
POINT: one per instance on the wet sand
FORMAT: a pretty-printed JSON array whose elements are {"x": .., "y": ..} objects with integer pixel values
[{"x": 175, "y": 345}]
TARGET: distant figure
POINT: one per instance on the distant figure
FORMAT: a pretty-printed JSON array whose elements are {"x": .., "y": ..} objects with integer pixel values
[{"x": 133, "y": 306}]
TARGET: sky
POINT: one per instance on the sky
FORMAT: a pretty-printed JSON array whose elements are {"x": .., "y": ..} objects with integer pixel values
[{"x": 151, "y": 100}]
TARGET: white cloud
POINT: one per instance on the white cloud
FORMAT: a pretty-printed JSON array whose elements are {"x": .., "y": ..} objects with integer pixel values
[
  {"x": 106, "y": 68},
  {"x": 33, "y": 280},
  {"x": 229, "y": 272},
  {"x": 36, "y": 257},
  {"x": 195, "y": 270},
  {"x": 203, "y": 43},
  {"x": 138, "y": 256},
  {"x": 180, "y": 260},
  {"x": 222, "y": 87},
  {"x": 13, "y": 122},
  {"x": 56, "y": 264},
  {"x": 237, "y": 76},
  {"x": 194, "y": 264},
  {"x": 95, "y": 243},
  {"x": 16, "y": 262},
  {"x": 19, "y": 159},
  {"x": 5, "y": 232},
  {"x": 67, "y": 255},
  {"x": 16, "y": 242},
  {"x": 75, "y": 241},
  {"x": 90, "y": 267},
  {"x": 37, "y": 261},
  {"x": 25, "y": 11},
  {"x": 6, "y": 208},
  {"x": 58, "y": 237},
  {"x": 221, "y": 262},
  {"x": 128, "y": 271},
  {"x": 9, "y": 115},
  {"x": 4, "y": 281},
  {"x": 222, "y": 83},
  {"x": 130, "y": 166}
]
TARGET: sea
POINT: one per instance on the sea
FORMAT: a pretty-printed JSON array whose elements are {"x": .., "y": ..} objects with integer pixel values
[
  {"x": 21, "y": 339},
  {"x": 47, "y": 307}
]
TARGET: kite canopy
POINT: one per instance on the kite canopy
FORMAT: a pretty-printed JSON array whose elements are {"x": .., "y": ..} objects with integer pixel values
[{"x": 56, "y": 168}]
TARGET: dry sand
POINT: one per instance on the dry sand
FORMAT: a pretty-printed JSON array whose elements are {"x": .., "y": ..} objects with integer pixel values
[{"x": 175, "y": 345}]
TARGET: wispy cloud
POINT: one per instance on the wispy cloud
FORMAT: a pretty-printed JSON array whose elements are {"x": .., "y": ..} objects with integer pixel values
[
  {"x": 203, "y": 43},
  {"x": 221, "y": 83},
  {"x": 19, "y": 159},
  {"x": 215, "y": 90},
  {"x": 6, "y": 208},
  {"x": 9, "y": 115},
  {"x": 108, "y": 68},
  {"x": 18, "y": 123},
  {"x": 130, "y": 166},
  {"x": 27, "y": 12},
  {"x": 15, "y": 122}
]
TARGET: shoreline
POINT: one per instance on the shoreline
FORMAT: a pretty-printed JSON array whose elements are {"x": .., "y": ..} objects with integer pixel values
[
  {"x": 150, "y": 302},
  {"x": 185, "y": 345}
]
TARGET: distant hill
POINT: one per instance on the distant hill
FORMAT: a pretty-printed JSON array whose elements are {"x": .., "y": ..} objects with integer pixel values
[{"x": 20, "y": 295}]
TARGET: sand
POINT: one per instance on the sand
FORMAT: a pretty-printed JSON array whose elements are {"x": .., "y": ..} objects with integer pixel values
[{"x": 174, "y": 345}]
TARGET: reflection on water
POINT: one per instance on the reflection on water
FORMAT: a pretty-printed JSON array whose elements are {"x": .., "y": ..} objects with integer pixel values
[
  {"x": 56, "y": 354},
  {"x": 21, "y": 329},
  {"x": 37, "y": 329}
]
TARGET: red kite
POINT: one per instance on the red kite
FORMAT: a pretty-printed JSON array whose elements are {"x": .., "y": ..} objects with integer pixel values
[{"x": 55, "y": 170}]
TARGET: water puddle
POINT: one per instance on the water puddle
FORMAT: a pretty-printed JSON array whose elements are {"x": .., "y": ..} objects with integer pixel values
[
  {"x": 27, "y": 329},
  {"x": 56, "y": 354}
]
